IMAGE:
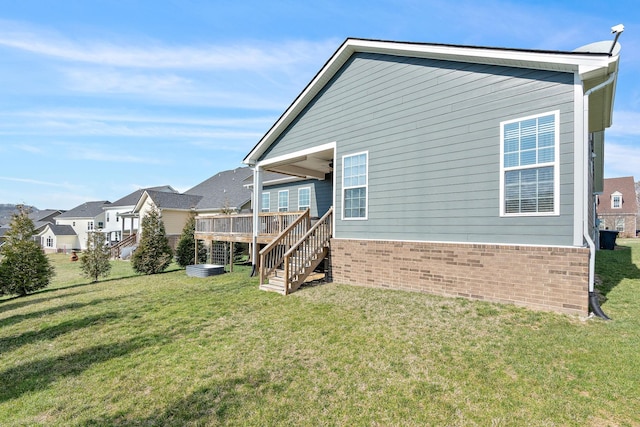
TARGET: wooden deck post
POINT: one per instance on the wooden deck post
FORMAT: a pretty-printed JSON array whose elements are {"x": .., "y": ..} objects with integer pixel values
[{"x": 230, "y": 257}]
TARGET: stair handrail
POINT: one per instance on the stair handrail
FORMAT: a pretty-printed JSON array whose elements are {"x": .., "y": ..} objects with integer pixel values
[
  {"x": 271, "y": 256},
  {"x": 292, "y": 262},
  {"x": 116, "y": 249}
]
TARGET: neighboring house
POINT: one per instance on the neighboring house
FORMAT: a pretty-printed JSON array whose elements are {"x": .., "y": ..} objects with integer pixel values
[
  {"x": 174, "y": 210},
  {"x": 83, "y": 219},
  {"x": 58, "y": 238},
  {"x": 225, "y": 192},
  {"x": 461, "y": 171},
  {"x": 617, "y": 206},
  {"x": 119, "y": 219},
  {"x": 44, "y": 217},
  {"x": 222, "y": 193},
  {"x": 40, "y": 220}
]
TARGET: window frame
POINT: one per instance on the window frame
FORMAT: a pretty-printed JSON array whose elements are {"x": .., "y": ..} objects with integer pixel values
[
  {"x": 262, "y": 203},
  {"x": 555, "y": 164},
  {"x": 350, "y": 187},
  {"x": 617, "y": 196},
  {"x": 280, "y": 207},
  {"x": 49, "y": 242},
  {"x": 303, "y": 207}
]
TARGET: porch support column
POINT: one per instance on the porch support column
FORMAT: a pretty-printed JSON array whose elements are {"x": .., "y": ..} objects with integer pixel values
[{"x": 257, "y": 208}]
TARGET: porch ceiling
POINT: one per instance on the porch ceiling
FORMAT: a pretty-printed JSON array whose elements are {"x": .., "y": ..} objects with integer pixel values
[{"x": 313, "y": 165}]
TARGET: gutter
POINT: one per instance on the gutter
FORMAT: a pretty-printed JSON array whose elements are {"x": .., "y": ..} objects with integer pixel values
[{"x": 594, "y": 304}]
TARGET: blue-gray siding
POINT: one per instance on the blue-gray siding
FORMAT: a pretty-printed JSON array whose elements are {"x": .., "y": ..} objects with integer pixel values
[
  {"x": 432, "y": 132},
  {"x": 321, "y": 196}
]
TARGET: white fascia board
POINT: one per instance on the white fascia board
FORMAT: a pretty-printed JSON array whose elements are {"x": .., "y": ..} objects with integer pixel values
[
  {"x": 288, "y": 158},
  {"x": 141, "y": 201}
]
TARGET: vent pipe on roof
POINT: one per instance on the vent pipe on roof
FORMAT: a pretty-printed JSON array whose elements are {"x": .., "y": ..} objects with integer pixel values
[{"x": 617, "y": 30}]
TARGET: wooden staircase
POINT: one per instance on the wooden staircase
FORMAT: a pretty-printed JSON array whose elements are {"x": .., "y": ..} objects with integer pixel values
[
  {"x": 287, "y": 272},
  {"x": 117, "y": 248}
]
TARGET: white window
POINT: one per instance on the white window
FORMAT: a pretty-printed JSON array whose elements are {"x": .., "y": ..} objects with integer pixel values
[
  {"x": 619, "y": 224},
  {"x": 266, "y": 202},
  {"x": 616, "y": 200},
  {"x": 90, "y": 225},
  {"x": 354, "y": 186},
  {"x": 304, "y": 198},
  {"x": 49, "y": 241},
  {"x": 529, "y": 151},
  {"x": 107, "y": 216},
  {"x": 283, "y": 201}
]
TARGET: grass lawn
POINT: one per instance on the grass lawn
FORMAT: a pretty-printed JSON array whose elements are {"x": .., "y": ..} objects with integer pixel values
[{"x": 173, "y": 350}]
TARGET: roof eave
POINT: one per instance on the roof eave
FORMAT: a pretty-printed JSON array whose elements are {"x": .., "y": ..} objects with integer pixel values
[{"x": 583, "y": 63}]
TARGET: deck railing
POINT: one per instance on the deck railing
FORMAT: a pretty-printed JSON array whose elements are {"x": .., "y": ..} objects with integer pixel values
[
  {"x": 271, "y": 223},
  {"x": 302, "y": 257},
  {"x": 272, "y": 255}
]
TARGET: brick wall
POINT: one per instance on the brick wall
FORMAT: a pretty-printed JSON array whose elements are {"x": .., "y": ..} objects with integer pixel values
[
  {"x": 609, "y": 222},
  {"x": 541, "y": 278}
]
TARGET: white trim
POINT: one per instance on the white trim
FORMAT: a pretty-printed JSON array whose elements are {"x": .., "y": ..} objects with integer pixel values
[
  {"x": 617, "y": 195},
  {"x": 279, "y": 192},
  {"x": 555, "y": 164},
  {"x": 300, "y": 207},
  {"x": 366, "y": 187},
  {"x": 458, "y": 243},
  {"x": 580, "y": 170},
  {"x": 287, "y": 158}
]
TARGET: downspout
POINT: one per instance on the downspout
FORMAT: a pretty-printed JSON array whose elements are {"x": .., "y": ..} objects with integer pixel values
[{"x": 593, "y": 298}]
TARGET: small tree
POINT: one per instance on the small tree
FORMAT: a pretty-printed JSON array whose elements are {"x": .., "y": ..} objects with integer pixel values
[
  {"x": 24, "y": 267},
  {"x": 154, "y": 253},
  {"x": 185, "y": 252},
  {"x": 94, "y": 261}
]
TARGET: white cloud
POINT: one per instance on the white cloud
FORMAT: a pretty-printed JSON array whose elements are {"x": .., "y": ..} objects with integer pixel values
[
  {"x": 625, "y": 123},
  {"x": 248, "y": 56},
  {"x": 102, "y": 154},
  {"x": 621, "y": 160},
  {"x": 38, "y": 182},
  {"x": 29, "y": 148}
]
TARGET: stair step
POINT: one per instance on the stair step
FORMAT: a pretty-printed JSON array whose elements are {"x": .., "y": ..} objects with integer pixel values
[
  {"x": 275, "y": 280},
  {"x": 272, "y": 288}
]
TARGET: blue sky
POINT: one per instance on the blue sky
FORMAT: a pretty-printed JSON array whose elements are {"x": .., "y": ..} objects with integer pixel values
[{"x": 99, "y": 98}]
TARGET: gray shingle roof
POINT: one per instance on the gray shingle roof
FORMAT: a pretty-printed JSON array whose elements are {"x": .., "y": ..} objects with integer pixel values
[
  {"x": 164, "y": 200},
  {"x": 43, "y": 215},
  {"x": 62, "y": 230},
  {"x": 86, "y": 210},
  {"x": 132, "y": 199},
  {"x": 224, "y": 189}
]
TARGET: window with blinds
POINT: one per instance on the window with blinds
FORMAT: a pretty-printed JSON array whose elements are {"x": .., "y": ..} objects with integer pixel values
[
  {"x": 354, "y": 186},
  {"x": 529, "y": 165}
]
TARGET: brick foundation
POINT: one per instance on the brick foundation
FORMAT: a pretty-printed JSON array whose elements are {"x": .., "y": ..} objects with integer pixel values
[{"x": 541, "y": 278}]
